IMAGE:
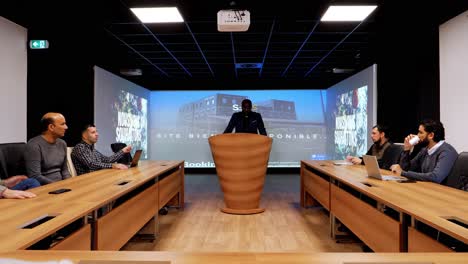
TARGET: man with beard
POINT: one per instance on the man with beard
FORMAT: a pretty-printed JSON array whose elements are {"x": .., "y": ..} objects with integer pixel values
[
  {"x": 246, "y": 121},
  {"x": 87, "y": 159},
  {"x": 434, "y": 162},
  {"x": 386, "y": 153}
]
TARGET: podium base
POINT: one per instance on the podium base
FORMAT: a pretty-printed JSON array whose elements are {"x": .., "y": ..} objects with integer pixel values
[{"x": 242, "y": 211}]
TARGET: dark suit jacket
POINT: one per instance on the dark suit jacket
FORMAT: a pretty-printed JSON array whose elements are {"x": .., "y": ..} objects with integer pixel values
[{"x": 253, "y": 122}]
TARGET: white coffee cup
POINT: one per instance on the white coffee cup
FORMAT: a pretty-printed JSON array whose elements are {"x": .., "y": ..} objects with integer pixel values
[{"x": 413, "y": 141}]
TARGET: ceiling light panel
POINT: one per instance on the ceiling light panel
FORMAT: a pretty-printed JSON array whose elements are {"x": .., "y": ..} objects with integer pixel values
[
  {"x": 158, "y": 14},
  {"x": 347, "y": 13}
]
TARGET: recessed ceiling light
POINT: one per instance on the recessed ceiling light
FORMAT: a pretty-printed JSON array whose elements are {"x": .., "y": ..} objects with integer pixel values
[
  {"x": 347, "y": 13},
  {"x": 341, "y": 70},
  {"x": 158, "y": 14},
  {"x": 131, "y": 72}
]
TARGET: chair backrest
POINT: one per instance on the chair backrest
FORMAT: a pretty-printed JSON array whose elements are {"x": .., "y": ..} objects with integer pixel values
[
  {"x": 127, "y": 158},
  {"x": 12, "y": 159},
  {"x": 71, "y": 167},
  {"x": 391, "y": 156},
  {"x": 458, "y": 177},
  {"x": 395, "y": 152}
]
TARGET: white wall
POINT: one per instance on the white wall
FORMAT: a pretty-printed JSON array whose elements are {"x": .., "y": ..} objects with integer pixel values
[
  {"x": 453, "y": 51},
  {"x": 13, "y": 81}
]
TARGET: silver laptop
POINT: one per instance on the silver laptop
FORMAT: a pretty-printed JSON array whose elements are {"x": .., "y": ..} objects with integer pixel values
[{"x": 373, "y": 170}]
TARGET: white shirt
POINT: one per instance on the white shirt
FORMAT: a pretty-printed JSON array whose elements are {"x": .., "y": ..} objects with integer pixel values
[{"x": 435, "y": 147}]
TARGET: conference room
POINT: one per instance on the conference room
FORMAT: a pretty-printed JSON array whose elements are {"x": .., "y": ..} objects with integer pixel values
[{"x": 186, "y": 89}]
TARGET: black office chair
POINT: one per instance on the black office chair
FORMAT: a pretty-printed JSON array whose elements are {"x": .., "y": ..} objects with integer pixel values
[
  {"x": 458, "y": 177},
  {"x": 394, "y": 152},
  {"x": 125, "y": 159},
  {"x": 12, "y": 159}
]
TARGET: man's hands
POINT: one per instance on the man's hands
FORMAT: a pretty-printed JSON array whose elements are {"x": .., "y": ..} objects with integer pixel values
[
  {"x": 408, "y": 145},
  {"x": 396, "y": 169},
  {"x": 12, "y": 194},
  {"x": 12, "y": 181},
  {"x": 119, "y": 166},
  {"x": 354, "y": 160},
  {"x": 127, "y": 149}
]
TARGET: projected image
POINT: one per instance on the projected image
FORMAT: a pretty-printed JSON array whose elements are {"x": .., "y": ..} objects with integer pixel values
[
  {"x": 304, "y": 124},
  {"x": 183, "y": 121},
  {"x": 120, "y": 112},
  {"x": 130, "y": 121},
  {"x": 351, "y": 123}
]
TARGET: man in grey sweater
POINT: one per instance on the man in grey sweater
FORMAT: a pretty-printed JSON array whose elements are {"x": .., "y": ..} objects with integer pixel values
[
  {"x": 46, "y": 154},
  {"x": 434, "y": 162}
]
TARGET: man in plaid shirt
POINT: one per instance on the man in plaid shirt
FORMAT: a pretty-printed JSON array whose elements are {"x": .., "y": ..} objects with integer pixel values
[{"x": 86, "y": 158}]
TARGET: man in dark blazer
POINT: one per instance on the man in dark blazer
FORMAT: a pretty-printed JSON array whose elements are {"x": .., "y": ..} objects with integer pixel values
[{"x": 246, "y": 121}]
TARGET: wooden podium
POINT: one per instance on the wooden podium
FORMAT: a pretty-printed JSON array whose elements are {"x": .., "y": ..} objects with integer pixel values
[{"x": 241, "y": 161}]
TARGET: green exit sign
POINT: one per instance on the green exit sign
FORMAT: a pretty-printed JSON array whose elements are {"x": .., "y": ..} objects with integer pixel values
[{"x": 38, "y": 44}]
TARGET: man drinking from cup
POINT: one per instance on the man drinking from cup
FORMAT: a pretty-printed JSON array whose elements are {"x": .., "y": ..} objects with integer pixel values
[{"x": 434, "y": 161}]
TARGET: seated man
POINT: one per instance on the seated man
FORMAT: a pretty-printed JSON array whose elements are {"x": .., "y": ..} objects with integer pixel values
[
  {"x": 12, "y": 182},
  {"x": 46, "y": 154},
  {"x": 434, "y": 162},
  {"x": 246, "y": 121},
  {"x": 387, "y": 154},
  {"x": 86, "y": 158}
]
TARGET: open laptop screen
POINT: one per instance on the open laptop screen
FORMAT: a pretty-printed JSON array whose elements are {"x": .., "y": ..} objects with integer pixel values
[{"x": 136, "y": 158}]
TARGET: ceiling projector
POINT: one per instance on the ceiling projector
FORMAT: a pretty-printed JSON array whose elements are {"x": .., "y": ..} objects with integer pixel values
[{"x": 233, "y": 20}]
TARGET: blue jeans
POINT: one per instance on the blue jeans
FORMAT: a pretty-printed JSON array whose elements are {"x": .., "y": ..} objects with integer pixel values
[{"x": 26, "y": 184}]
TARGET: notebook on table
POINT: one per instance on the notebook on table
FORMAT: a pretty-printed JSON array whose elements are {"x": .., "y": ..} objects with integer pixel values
[{"x": 342, "y": 162}]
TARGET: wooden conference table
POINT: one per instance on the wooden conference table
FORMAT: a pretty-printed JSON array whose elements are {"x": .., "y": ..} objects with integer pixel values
[
  {"x": 361, "y": 203},
  {"x": 136, "y": 257},
  {"x": 106, "y": 208}
]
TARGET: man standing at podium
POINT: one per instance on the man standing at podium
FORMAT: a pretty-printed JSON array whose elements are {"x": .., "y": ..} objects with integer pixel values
[{"x": 246, "y": 121}]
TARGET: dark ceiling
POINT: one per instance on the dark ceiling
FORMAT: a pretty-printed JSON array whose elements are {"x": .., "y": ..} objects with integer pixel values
[
  {"x": 290, "y": 43},
  {"x": 285, "y": 37}
]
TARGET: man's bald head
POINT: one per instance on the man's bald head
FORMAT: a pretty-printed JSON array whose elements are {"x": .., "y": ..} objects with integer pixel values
[{"x": 49, "y": 119}]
